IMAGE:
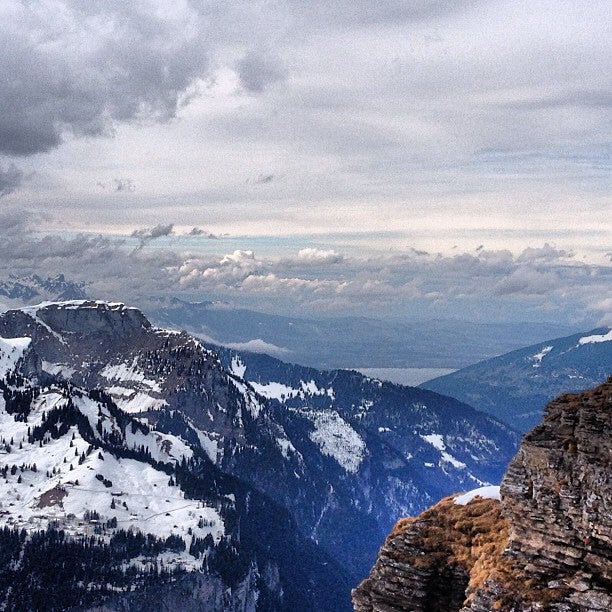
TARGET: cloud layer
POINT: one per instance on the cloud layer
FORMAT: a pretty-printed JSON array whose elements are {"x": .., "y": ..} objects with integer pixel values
[
  {"x": 461, "y": 123},
  {"x": 541, "y": 283}
]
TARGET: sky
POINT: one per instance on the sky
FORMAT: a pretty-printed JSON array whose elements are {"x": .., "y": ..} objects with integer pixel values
[{"x": 410, "y": 158}]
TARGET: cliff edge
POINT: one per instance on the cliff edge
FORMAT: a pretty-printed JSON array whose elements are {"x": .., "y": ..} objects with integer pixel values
[{"x": 547, "y": 545}]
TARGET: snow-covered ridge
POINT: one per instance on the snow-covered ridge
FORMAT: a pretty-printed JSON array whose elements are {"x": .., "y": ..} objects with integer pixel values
[
  {"x": 76, "y": 304},
  {"x": 607, "y": 337},
  {"x": 278, "y": 390}
]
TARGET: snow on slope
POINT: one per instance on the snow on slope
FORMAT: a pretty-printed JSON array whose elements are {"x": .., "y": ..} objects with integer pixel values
[
  {"x": 490, "y": 492},
  {"x": 64, "y": 481},
  {"x": 537, "y": 358},
  {"x": 437, "y": 442},
  {"x": 132, "y": 390},
  {"x": 596, "y": 338},
  {"x": 337, "y": 439},
  {"x": 11, "y": 351}
]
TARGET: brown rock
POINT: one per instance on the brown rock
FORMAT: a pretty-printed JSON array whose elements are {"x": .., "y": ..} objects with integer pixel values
[{"x": 547, "y": 546}]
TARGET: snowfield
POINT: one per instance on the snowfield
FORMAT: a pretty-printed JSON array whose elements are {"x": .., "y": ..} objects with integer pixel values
[
  {"x": 67, "y": 483},
  {"x": 337, "y": 439},
  {"x": 597, "y": 338},
  {"x": 11, "y": 351}
]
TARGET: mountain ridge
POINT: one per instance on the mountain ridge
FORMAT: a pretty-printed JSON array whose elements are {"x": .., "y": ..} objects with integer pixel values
[
  {"x": 325, "y": 463},
  {"x": 516, "y": 386}
]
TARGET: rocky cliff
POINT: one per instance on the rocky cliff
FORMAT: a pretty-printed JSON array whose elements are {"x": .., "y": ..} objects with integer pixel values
[{"x": 547, "y": 545}]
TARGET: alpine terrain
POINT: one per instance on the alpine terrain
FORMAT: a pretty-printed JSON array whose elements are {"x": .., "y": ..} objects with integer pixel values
[
  {"x": 541, "y": 541},
  {"x": 516, "y": 386},
  {"x": 152, "y": 468}
]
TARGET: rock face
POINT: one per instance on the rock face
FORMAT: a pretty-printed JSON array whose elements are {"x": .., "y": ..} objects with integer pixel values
[{"x": 546, "y": 546}]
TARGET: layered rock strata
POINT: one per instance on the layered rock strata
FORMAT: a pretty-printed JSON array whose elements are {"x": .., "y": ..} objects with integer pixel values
[{"x": 546, "y": 546}]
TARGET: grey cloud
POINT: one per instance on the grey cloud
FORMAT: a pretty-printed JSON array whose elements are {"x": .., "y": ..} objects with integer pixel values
[
  {"x": 526, "y": 281},
  {"x": 10, "y": 179},
  {"x": 198, "y": 231},
  {"x": 262, "y": 179},
  {"x": 257, "y": 71},
  {"x": 155, "y": 232},
  {"x": 589, "y": 98},
  {"x": 80, "y": 67},
  {"x": 124, "y": 184},
  {"x": 545, "y": 253}
]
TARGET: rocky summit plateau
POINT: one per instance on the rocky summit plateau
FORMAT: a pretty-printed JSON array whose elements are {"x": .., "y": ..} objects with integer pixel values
[{"x": 544, "y": 545}]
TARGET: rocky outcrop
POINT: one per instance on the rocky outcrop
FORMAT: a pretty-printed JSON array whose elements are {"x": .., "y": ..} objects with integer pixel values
[{"x": 546, "y": 546}]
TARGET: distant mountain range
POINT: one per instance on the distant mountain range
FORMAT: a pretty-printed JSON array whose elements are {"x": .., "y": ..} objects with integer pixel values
[
  {"x": 324, "y": 343},
  {"x": 516, "y": 386},
  {"x": 350, "y": 342},
  {"x": 253, "y": 484}
]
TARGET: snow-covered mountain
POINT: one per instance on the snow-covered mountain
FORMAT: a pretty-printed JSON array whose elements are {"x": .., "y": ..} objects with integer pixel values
[
  {"x": 516, "y": 386},
  {"x": 24, "y": 289},
  {"x": 258, "y": 476}
]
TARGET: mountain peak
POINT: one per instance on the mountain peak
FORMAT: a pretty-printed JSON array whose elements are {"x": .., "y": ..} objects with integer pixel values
[{"x": 82, "y": 317}]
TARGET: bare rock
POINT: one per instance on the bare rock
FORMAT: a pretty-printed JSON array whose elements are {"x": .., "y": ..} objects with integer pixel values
[{"x": 546, "y": 547}]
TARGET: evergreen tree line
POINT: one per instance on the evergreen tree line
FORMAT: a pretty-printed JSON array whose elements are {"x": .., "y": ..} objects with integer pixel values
[{"x": 49, "y": 570}]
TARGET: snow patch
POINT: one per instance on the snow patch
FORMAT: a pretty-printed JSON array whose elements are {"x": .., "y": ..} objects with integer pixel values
[
  {"x": 437, "y": 441},
  {"x": 279, "y": 391},
  {"x": 337, "y": 439},
  {"x": 129, "y": 373},
  {"x": 607, "y": 337},
  {"x": 537, "y": 358},
  {"x": 58, "y": 369},
  {"x": 490, "y": 492},
  {"x": 238, "y": 368},
  {"x": 285, "y": 446},
  {"x": 11, "y": 351}
]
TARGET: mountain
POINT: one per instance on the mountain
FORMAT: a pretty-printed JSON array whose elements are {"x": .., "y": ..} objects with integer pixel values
[
  {"x": 543, "y": 541},
  {"x": 35, "y": 288},
  {"x": 516, "y": 386},
  {"x": 101, "y": 503},
  {"x": 349, "y": 342},
  {"x": 293, "y": 471}
]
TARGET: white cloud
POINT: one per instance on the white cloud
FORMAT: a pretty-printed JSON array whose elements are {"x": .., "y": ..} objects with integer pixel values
[{"x": 319, "y": 255}]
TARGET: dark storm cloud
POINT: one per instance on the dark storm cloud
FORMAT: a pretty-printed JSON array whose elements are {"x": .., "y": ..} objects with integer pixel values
[
  {"x": 10, "y": 179},
  {"x": 79, "y": 67}
]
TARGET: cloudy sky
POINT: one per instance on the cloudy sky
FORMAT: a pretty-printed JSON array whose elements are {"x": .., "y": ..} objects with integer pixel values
[{"x": 428, "y": 155}]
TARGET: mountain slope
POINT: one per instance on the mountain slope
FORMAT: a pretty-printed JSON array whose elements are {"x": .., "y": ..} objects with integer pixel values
[
  {"x": 125, "y": 506},
  {"x": 516, "y": 386},
  {"x": 341, "y": 457}
]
